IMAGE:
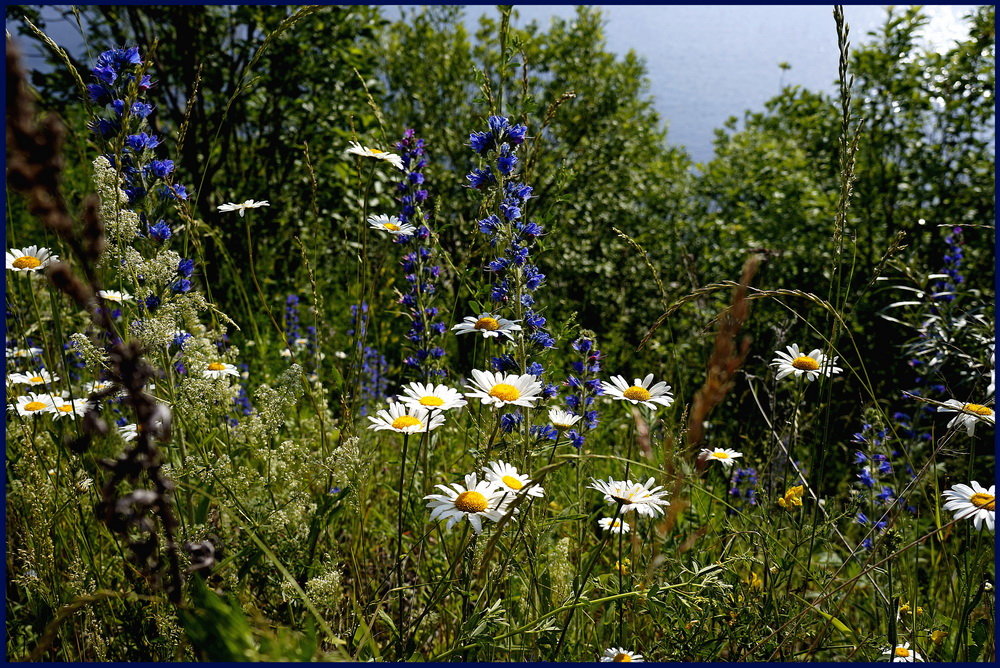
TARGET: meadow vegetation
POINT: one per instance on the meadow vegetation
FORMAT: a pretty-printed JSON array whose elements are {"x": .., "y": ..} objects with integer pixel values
[{"x": 336, "y": 336}]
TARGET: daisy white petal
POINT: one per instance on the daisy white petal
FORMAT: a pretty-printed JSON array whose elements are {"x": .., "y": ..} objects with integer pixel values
[
  {"x": 64, "y": 407},
  {"x": 355, "y": 148},
  {"x": 563, "y": 420},
  {"x": 488, "y": 325},
  {"x": 431, "y": 397},
  {"x": 391, "y": 225},
  {"x": 249, "y": 204},
  {"x": 30, "y": 259},
  {"x": 639, "y": 392},
  {"x": 724, "y": 456},
  {"x": 795, "y": 363},
  {"x": 968, "y": 415},
  {"x": 40, "y": 377},
  {"x": 504, "y": 475},
  {"x": 973, "y": 501},
  {"x": 619, "y": 655},
  {"x": 114, "y": 296},
  {"x": 501, "y": 390},
  {"x": 219, "y": 370},
  {"x": 404, "y": 419},
  {"x": 32, "y": 404},
  {"x": 645, "y": 499},
  {"x": 475, "y": 500},
  {"x": 903, "y": 654},
  {"x": 614, "y": 525}
]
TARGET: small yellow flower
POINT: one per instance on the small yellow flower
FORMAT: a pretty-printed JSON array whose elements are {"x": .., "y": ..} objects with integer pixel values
[
  {"x": 755, "y": 581},
  {"x": 623, "y": 565},
  {"x": 904, "y": 609},
  {"x": 792, "y": 497},
  {"x": 937, "y": 637}
]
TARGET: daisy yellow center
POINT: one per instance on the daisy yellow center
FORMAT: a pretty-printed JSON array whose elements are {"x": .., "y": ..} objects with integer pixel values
[
  {"x": 805, "y": 363},
  {"x": 636, "y": 393},
  {"x": 489, "y": 324},
  {"x": 392, "y": 227},
  {"x": 977, "y": 409},
  {"x": 720, "y": 455},
  {"x": 68, "y": 408},
  {"x": 431, "y": 400},
  {"x": 471, "y": 502},
  {"x": 505, "y": 392},
  {"x": 987, "y": 501},
  {"x": 512, "y": 482},
  {"x": 622, "y": 657},
  {"x": 34, "y": 406},
  {"x": 37, "y": 379},
  {"x": 27, "y": 262},
  {"x": 216, "y": 366},
  {"x": 902, "y": 652},
  {"x": 404, "y": 421}
]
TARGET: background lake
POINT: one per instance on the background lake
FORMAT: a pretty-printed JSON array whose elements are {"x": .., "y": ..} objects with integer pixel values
[{"x": 705, "y": 63}]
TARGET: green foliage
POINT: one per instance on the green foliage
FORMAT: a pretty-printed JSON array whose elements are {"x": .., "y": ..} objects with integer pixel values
[{"x": 300, "y": 500}]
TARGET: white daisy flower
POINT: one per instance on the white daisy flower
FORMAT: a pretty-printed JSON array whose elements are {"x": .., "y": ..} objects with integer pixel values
[
  {"x": 431, "y": 397},
  {"x": 614, "y": 525},
  {"x": 504, "y": 389},
  {"x": 249, "y": 204},
  {"x": 100, "y": 386},
  {"x": 504, "y": 475},
  {"x": 220, "y": 370},
  {"x": 724, "y": 456},
  {"x": 488, "y": 325},
  {"x": 66, "y": 407},
  {"x": 32, "y": 258},
  {"x": 619, "y": 655},
  {"x": 40, "y": 377},
  {"x": 812, "y": 366},
  {"x": 903, "y": 653},
  {"x": 473, "y": 501},
  {"x": 23, "y": 353},
  {"x": 563, "y": 420},
  {"x": 644, "y": 499},
  {"x": 404, "y": 419},
  {"x": 33, "y": 404},
  {"x": 972, "y": 500},
  {"x": 357, "y": 149},
  {"x": 391, "y": 225},
  {"x": 639, "y": 392},
  {"x": 968, "y": 415},
  {"x": 128, "y": 432},
  {"x": 114, "y": 296}
]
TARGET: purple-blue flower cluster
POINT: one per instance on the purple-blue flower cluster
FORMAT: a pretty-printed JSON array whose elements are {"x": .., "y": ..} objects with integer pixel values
[
  {"x": 418, "y": 264},
  {"x": 242, "y": 400},
  {"x": 509, "y": 231},
  {"x": 584, "y": 385},
  {"x": 291, "y": 320},
  {"x": 120, "y": 82},
  {"x": 876, "y": 475},
  {"x": 743, "y": 488},
  {"x": 945, "y": 289}
]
